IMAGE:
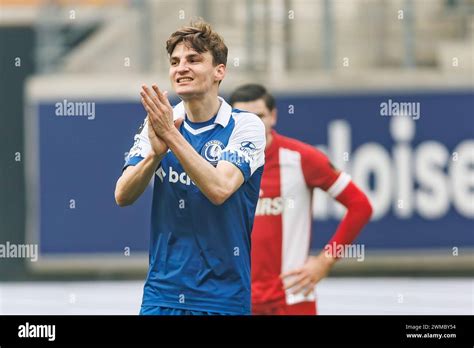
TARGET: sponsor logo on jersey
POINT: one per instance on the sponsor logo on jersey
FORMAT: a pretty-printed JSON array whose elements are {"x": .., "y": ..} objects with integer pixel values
[
  {"x": 212, "y": 150},
  {"x": 270, "y": 206},
  {"x": 173, "y": 176},
  {"x": 248, "y": 147},
  {"x": 274, "y": 205}
]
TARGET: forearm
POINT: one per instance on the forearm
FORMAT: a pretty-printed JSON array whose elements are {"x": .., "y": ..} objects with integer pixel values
[
  {"x": 201, "y": 172},
  {"x": 359, "y": 211},
  {"x": 135, "y": 179},
  {"x": 357, "y": 216},
  {"x": 327, "y": 259}
]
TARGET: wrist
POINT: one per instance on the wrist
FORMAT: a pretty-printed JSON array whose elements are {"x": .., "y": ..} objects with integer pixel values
[
  {"x": 156, "y": 157},
  {"x": 327, "y": 258}
]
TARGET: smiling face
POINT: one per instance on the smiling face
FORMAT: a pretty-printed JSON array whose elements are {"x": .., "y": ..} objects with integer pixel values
[{"x": 193, "y": 74}]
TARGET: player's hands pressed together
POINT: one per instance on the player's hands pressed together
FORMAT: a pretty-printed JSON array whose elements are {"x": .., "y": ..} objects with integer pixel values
[
  {"x": 158, "y": 146},
  {"x": 159, "y": 109},
  {"x": 305, "y": 278},
  {"x": 160, "y": 117}
]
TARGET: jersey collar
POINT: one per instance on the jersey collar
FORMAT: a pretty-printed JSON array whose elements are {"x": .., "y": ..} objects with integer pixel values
[{"x": 222, "y": 118}]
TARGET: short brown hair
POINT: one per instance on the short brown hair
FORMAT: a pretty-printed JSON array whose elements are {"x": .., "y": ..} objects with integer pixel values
[
  {"x": 200, "y": 37},
  {"x": 251, "y": 92}
]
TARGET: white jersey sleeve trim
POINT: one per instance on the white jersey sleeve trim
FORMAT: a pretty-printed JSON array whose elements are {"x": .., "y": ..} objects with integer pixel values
[
  {"x": 247, "y": 142},
  {"x": 141, "y": 146},
  {"x": 339, "y": 185}
]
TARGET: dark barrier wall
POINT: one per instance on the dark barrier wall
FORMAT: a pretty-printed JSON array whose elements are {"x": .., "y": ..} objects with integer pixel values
[
  {"x": 16, "y": 63},
  {"x": 417, "y": 170}
]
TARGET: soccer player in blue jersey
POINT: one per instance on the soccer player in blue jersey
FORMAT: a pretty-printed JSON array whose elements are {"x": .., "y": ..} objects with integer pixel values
[{"x": 206, "y": 161}]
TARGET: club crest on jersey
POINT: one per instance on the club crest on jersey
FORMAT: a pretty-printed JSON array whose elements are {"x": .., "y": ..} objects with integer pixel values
[{"x": 212, "y": 150}]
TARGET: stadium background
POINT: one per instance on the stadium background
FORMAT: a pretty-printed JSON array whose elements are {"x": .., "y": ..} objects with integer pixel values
[{"x": 331, "y": 64}]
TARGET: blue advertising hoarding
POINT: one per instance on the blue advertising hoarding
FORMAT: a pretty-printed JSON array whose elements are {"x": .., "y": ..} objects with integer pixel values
[
  {"x": 416, "y": 168},
  {"x": 411, "y": 152}
]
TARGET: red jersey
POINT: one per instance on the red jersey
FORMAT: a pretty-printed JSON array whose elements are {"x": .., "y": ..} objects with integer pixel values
[{"x": 283, "y": 218}]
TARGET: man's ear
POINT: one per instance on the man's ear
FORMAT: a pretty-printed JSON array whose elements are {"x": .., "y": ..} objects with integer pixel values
[
  {"x": 220, "y": 72},
  {"x": 274, "y": 114}
]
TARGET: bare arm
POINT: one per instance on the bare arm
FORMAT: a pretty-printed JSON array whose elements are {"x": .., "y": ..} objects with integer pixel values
[
  {"x": 135, "y": 179},
  {"x": 216, "y": 183}
]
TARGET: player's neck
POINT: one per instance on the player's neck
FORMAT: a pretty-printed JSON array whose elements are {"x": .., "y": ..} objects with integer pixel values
[{"x": 202, "y": 110}]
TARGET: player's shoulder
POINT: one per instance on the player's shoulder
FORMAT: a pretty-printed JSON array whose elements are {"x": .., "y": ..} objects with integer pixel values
[{"x": 244, "y": 118}]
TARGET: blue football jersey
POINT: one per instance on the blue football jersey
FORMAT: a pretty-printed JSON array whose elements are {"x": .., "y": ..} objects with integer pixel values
[{"x": 199, "y": 256}]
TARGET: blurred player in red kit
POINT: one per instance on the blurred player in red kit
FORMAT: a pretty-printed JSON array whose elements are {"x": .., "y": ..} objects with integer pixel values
[{"x": 284, "y": 275}]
